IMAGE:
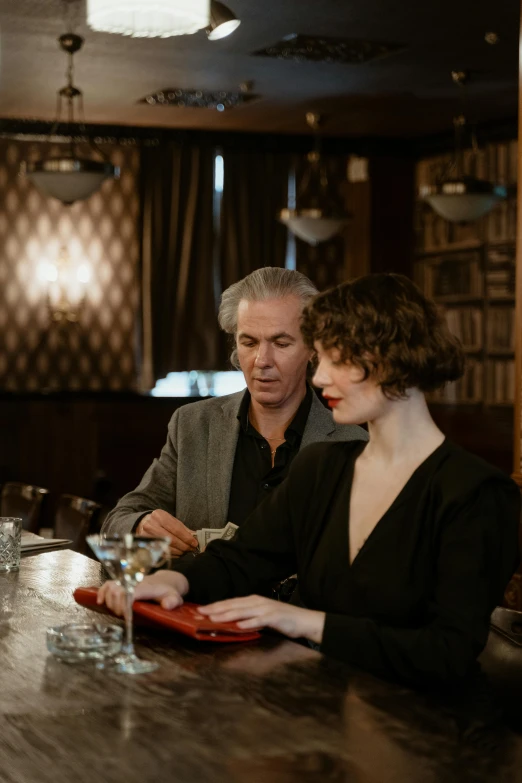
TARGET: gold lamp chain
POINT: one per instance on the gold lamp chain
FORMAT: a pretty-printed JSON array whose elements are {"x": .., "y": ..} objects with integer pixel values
[
  {"x": 70, "y": 97},
  {"x": 459, "y": 124},
  {"x": 460, "y": 78}
]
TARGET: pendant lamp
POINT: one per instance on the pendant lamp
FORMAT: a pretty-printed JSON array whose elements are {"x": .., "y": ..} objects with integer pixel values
[
  {"x": 69, "y": 177},
  {"x": 316, "y": 218},
  {"x": 459, "y": 197}
]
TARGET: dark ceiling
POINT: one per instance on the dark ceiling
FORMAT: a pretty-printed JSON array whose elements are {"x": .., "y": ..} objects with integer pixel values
[{"x": 408, "y": 93}]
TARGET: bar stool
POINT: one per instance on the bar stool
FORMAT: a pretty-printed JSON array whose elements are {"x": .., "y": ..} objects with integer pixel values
[
  {"x": 76, "y": 518},
  {"x": 24, "y": 501}
]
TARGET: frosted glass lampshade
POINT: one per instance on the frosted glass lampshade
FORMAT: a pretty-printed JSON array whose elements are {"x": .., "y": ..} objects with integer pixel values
[
  {"x": 465, "y": 200},
  {"x": 311, "y": 225},
  {"x": 222, "y": 21},
  {"x": 462, "y": 209},
  {"x": 148, "y": 18},
  {"x": 69, "y": 179}
]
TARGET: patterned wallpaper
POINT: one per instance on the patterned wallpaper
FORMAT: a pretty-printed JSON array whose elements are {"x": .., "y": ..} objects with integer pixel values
[{"x": 98, "y": 352}]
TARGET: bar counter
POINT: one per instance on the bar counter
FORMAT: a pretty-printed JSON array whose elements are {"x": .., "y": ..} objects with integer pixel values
[{"x": 270, "y": 711}]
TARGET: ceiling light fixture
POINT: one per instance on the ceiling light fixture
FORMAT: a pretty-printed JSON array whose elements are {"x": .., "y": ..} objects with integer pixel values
[
  {"x": 222, "y": 21},
  {"x": 460, "y": 197},
  {"x": 222, "y": 100},
  {"x": 148, "y": 18},
  {"x": 316, "y": 217},
  {"x": 68, "y": 177}
]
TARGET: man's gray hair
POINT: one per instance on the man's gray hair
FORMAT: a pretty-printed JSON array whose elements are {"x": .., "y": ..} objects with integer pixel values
[{"x": 269, "y": 282}]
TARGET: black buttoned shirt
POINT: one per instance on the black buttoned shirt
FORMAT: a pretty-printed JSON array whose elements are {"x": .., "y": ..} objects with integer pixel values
[{"x": 253, "y": 476}]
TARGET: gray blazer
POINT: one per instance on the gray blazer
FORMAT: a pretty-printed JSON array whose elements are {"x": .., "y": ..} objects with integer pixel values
[{"x": 191, "y": 479}]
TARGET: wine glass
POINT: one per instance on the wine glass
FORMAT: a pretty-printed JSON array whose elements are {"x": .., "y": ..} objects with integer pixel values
[{"x": 128, "y": 558}]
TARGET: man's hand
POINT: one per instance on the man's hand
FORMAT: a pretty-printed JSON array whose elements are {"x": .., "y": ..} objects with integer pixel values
[
  {"x": 254, "y": 611},
  {"x": 161, "y": 523},
  {"x": 165, "y": 587}
]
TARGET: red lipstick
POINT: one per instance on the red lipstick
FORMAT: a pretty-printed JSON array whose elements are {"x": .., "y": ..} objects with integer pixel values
[{"x": 331, "y": 401}]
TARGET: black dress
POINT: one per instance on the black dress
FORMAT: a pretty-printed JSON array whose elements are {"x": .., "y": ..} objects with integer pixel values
[{"x": 416, "y": 601}]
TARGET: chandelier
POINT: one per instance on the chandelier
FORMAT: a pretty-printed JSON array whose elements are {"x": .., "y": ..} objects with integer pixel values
[
  {"x": 459, "y": 197},
  {"x": 148, "y": 18},
  {"x": 68, "y": 177},
  {"x": 316, "y": 217}
]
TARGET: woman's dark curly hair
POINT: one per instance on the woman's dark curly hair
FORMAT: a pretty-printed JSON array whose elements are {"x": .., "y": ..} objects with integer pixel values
[{"x": 385, "y": 325}]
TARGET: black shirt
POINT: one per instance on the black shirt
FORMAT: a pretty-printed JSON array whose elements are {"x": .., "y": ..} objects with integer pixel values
[
  {"x": 253, "y": 476},
  {"x": 415, "y": 603}
]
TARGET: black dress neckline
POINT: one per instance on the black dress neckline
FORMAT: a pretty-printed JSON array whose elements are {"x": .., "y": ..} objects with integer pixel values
[{"x": 401, "y": 498}]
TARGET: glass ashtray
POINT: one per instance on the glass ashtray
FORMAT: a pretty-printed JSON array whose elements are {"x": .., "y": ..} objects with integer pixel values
[{"x": 77, "y": 642}]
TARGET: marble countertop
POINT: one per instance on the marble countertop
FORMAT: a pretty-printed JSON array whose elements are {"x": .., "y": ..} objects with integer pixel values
[{"x": 270, "y": 711}]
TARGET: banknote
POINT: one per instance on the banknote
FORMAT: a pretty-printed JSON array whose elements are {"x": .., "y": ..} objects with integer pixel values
[{"x": 208, "y": 534}]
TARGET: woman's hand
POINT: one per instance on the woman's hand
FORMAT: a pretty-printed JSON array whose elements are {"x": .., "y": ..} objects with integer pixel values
[
  {"x": 254, "y": 611},
  {"x": 165, "y": 587}
]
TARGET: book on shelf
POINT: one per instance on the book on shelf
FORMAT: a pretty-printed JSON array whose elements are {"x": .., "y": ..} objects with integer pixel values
[
  {"x": 467, "y": 389},
  {"x": 500, "y": 329},
  {"x": 453, "y": 277},
  {"x": 434, "y": 234},
  {"x": 434, "y": 231},
  {"x": 466, "y": 324},
  {"x": 481, "y": 163},
  {"x": 512, "y": 172},
  {"x": 500, "y": 381},
  {"x": 501, "y": 162},
  {"x": 502, "y": 223},
  {"x": 500, "y": 292},
  {"x": 501, "y": 254},
  {"x": 500, "y": 282},
  {"x": 466, "y": 233}
]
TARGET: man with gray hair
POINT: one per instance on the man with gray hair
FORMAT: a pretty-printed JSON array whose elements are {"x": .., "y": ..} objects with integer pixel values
[{"x": 224, "y": 455}]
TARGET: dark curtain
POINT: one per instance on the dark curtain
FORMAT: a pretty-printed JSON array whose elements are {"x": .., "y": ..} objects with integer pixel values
[
  {"x": 255, "y": 189},
  {"x": 179, "y": 326}
]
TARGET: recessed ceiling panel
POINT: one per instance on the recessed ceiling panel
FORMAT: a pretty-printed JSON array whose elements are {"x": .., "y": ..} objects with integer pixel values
[
  {"x": 198, "y": 99},
  {"x": 303, "y": 48}
]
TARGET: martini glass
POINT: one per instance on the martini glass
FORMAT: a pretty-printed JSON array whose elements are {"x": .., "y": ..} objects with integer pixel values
[{"x": 128, "y": 559}]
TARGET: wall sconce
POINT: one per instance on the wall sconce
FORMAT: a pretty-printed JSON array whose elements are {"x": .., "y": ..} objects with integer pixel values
[{"x": 65, "y": 281}]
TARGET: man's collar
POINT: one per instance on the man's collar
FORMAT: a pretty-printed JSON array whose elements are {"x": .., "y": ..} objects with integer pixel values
[
  {"x": 243, "y": 411},
  {"x": 298, "y": 423}
]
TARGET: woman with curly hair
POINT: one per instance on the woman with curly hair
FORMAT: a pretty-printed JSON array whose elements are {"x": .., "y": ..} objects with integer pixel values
[{"x": 404, "y": 545}]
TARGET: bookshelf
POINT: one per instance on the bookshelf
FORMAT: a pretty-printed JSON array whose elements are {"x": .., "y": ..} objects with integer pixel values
[{"x": 469, "y": 270}]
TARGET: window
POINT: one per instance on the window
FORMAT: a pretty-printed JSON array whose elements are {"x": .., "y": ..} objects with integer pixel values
[
  {"x": 219, "y": 181},
  {"x": 195, "y": 383},
  {"x": 199, "y": 384},
  {"x": 290, "y": 262}
]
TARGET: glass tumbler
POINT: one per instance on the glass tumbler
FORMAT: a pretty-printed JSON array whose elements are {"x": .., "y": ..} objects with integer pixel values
[{"x": 10, "y": 543}]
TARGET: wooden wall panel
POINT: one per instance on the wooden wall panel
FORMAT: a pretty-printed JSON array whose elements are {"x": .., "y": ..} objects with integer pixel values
[
  {"x": 100, "y": 445},
  {"x": 95, "y": 446}
]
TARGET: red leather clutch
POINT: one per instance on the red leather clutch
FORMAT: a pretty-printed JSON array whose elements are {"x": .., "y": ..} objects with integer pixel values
[{"x": 185, "y": 619}]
